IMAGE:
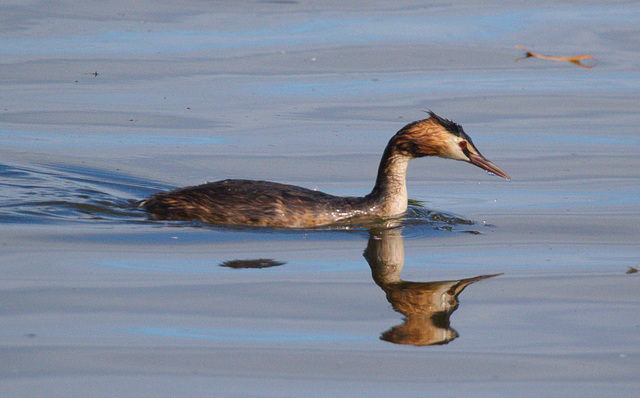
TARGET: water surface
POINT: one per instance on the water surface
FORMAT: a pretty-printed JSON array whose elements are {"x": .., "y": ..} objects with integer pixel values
[{"x": 105, "y": 104}]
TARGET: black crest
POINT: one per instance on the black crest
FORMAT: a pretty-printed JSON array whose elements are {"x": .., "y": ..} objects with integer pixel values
[{"x": 451, "y": 126}]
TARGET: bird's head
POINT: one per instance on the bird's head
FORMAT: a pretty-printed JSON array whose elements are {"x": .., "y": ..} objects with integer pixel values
[{"x": 440, "y": 137}]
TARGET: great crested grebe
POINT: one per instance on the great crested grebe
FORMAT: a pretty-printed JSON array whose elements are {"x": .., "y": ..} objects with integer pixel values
[{"x": 270, "y": 204}]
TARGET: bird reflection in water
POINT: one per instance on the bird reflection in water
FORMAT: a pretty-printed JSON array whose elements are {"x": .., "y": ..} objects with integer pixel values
[{"x": 427, "y": 306}]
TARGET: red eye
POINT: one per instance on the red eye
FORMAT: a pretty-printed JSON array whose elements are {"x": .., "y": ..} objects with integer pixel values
[{"x": 462, "y": 144}]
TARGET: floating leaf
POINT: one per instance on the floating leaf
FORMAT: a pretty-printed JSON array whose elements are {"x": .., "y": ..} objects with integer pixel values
[{"x": 577, "y": 60}]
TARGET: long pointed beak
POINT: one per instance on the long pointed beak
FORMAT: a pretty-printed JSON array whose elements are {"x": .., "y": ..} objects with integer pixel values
[{"x": 485, "y": 164}]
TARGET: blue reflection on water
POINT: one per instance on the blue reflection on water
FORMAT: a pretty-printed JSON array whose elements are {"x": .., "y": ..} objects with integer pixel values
[
  {"x": 247, "y": 335},
  {"x": 323, "y": 31},
  {"x": 31, "y": 139},
  {"x": 427, "y": 28},
  {"x": 461, "y": 82}
]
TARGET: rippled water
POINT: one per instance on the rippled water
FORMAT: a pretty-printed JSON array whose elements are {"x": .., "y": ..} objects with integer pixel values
[{"x": 67, "y": 194}]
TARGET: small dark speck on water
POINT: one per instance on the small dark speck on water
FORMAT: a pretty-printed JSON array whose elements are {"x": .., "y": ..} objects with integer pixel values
[
  {"x": 632, "y": 270},
  {"x": 255, "y": 263}
]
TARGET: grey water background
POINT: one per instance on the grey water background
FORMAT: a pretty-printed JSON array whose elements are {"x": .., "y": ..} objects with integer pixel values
[{"x": 105, "y": 103}]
